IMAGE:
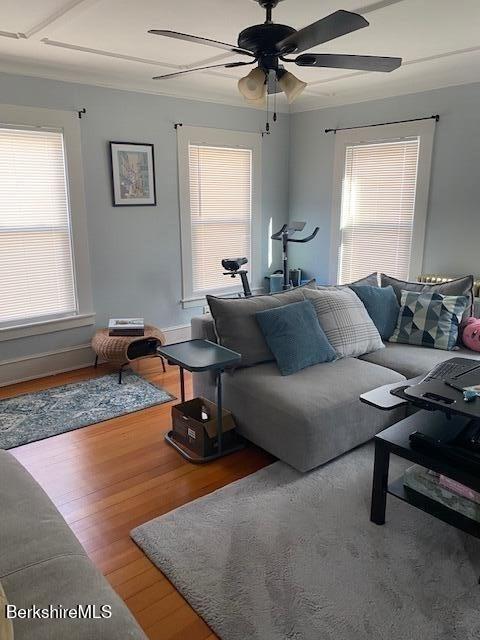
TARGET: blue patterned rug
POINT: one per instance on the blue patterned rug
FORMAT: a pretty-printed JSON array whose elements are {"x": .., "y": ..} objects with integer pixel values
[{"x": 39, "y": 415}]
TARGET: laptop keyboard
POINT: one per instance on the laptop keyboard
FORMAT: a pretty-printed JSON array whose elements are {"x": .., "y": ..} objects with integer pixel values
[{"x": 449, "y": 369}]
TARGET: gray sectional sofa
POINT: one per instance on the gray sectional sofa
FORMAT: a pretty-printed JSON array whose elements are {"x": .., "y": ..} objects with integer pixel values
[
  {"x": 42, "y": 563},
  {"x": 310, "y": 417}
]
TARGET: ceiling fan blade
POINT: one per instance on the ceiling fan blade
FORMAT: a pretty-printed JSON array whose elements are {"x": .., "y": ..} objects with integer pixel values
[
  {"x": 333, "y": 26},
  {"x": 362, "y": 63},
  {"x": 228, "y": 65},
  {"x": 198, "y": 40}
]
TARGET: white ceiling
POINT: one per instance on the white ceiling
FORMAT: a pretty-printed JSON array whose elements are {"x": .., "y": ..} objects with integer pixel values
[{"x": 105, "y": 42}]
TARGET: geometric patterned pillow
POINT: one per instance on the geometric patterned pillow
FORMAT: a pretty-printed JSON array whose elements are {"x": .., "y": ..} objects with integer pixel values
[{"x": 429, "y": 319}]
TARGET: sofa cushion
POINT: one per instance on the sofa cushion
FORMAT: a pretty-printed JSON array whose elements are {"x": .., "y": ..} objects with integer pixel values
[
  {"x": 429, "y": 319},
  {"x": 345, "y": 320},
  {"x": 382, "y": 306},
  {"x": 42, "y": 562},
  {"x": 411, "y": 360},
  {"x": 29, "y": 521},
  {"x": 67, "y": 582},
  {"x": 311, "y": 416},
  {"x": 236, "y": 325},
  {"x": 458, "y": 287},
  {"x": 6, "y": 626},
  {"x": 295, "y": 337}
]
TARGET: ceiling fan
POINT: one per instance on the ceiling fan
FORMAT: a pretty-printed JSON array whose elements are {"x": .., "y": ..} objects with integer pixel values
[{"x": 269, "y": 43}]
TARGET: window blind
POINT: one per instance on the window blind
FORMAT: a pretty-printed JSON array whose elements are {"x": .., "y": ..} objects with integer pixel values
[
  {"x": 220, "y": 210},
  {"x": 36, "y": 269},
  {"x": 378, "y": 205}
]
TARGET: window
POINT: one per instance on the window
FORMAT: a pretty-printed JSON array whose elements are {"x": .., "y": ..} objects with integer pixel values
[
  {"x": 36, "y": 268},
  {"x": 381, "y": 187},
  {"x": 219, "y": 188},
  {"x": 44, "y": 270}
]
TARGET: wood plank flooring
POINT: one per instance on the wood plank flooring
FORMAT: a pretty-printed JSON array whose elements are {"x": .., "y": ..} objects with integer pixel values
[{"x": 110, "y": 477}]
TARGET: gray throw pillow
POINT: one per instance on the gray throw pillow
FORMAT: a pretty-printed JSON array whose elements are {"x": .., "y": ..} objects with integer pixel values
[
  {"x": 459, "y": 287},
  {"x": 236, "y": 324},
  {"x": 371, "y": 280},
  {"x": 345, "y": 321}
]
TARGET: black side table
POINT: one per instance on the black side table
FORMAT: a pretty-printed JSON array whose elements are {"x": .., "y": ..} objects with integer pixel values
[{"x": 200, "y": 356}]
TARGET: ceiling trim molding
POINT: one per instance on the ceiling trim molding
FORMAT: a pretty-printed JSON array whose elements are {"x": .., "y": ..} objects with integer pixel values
[
  {"x": 110, "y": 54},
  {"x": 376, "y": 6},
  {"x": 10, "y": 34},
  {"x": 438, "y": 56},
  {"x": 123, "y": 56},
  {"x": 64, "y": 12}
]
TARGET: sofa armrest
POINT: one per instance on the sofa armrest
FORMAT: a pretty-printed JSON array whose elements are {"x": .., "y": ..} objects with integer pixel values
[{"x": 203, "y": 328}]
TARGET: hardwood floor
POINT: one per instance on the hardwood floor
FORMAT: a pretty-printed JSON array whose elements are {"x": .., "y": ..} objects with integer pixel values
[{"x": 110, "y": 477}]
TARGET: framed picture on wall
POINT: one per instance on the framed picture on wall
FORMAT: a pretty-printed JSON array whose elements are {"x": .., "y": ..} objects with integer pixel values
[{"x": 133, "y": 174}]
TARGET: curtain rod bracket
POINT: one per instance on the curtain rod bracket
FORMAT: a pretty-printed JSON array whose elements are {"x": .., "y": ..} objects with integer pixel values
[
  {"x": 382, "y": 124},
  {"x": 177, "y": 124},
  {"x": 82, "y": 112}
]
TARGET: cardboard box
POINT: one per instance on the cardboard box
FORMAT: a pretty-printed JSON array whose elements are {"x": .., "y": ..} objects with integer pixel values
[{"x": 199, "y": 435}]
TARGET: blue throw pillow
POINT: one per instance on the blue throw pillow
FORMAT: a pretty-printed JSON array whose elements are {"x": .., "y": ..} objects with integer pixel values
[
  {"x": 295, "y": 336},
  {"x": 381, "y": 305}
]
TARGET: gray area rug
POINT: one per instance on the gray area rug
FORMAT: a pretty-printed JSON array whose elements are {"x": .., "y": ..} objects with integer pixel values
[
  {"x": 39, "y": 415},
  {"x": 280, "y": 555}
]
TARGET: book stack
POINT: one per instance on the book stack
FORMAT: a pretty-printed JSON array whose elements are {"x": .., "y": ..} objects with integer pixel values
[
  {"x": 126, "y": 327},
  {"x": 442, "y": 489}
]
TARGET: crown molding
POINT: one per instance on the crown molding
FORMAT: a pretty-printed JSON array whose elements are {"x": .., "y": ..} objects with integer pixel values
[
  {"x": 64, "y": 75},
  {"x": 297, "y": 108}
]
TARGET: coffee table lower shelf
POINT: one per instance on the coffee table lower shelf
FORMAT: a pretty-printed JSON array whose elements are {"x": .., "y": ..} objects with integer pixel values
[
  {"x": 434, "y": 508},
  {"x": 196, "y": 459}
]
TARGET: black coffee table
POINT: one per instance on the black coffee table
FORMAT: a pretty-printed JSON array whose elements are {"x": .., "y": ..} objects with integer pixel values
[
  {"x": 395, "y": 440},
  {"x": 200, "y": 356}
]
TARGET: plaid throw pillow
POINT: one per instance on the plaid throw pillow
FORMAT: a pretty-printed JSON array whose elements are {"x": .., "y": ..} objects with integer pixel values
[
  {"x": 345, "y": 321},
  {"x": 429, "y": 319}
]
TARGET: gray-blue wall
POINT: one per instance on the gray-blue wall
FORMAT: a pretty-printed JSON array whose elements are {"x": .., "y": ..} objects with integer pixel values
[
  {"x": 453, "y": 234},
  {"x": 135, "y": 251}
]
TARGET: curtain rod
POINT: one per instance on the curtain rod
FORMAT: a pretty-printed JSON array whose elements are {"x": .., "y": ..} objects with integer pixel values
[{"x": 382, "y": 124}]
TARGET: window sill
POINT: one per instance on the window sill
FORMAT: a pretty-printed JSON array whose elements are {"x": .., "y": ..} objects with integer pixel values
[{"x": 46, "y": 326}]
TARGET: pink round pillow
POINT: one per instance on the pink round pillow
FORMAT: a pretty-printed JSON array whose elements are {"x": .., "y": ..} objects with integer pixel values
[{"x": 471, "y": 334}]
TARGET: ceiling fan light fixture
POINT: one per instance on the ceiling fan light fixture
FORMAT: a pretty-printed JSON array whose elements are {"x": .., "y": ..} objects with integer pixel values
[
  {"x": 291, "y": 86},
  {"x": 252, "y": 86}
]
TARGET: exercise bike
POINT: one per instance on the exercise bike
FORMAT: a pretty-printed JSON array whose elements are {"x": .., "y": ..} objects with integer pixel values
[
  {"x": 232, "y": 265},
  {"x": 285, "y": 236}
]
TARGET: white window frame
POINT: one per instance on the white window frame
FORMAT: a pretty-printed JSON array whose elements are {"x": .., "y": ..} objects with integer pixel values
[
  {"x": 218, "y": 138},
  {"x": 68, "y": 123},
  {"x": 425, "y": 131}
]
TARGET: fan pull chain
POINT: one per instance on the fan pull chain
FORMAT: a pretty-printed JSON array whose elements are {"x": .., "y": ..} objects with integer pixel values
[
  {"x": 267, "y": 125},
  {"x": 275, "y": 101}
]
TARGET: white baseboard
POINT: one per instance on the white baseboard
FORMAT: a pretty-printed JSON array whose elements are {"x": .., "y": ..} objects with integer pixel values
[
  {"x": 178, "y": 333},
  {"x": 39, "y": 365},
  {"x": 49, "y": 363}
]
